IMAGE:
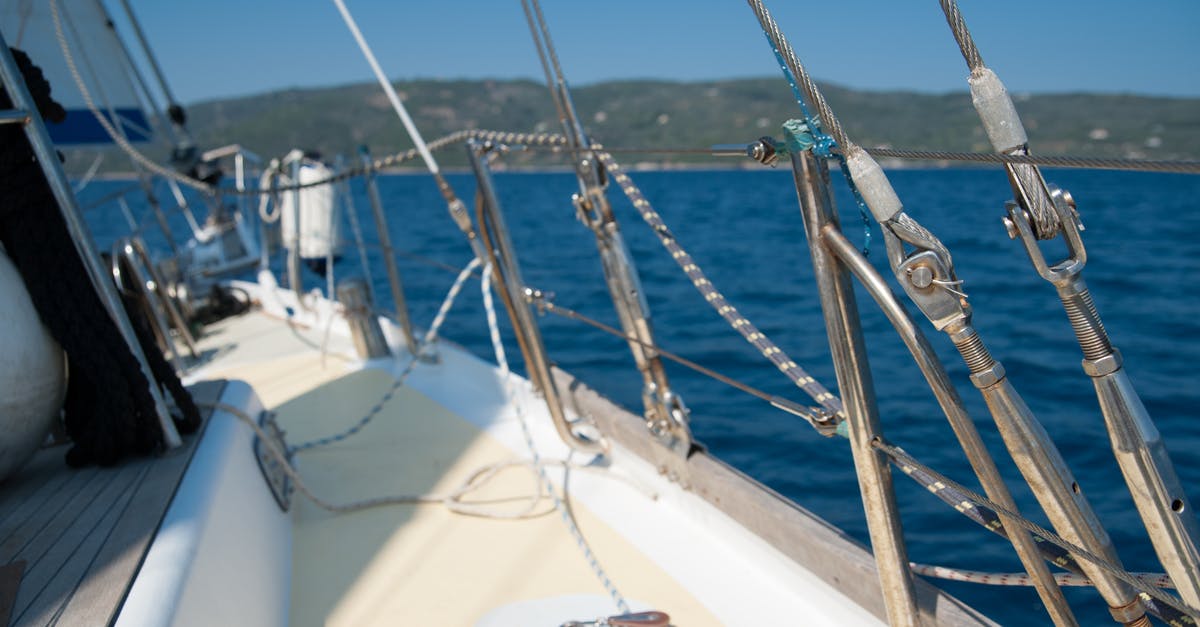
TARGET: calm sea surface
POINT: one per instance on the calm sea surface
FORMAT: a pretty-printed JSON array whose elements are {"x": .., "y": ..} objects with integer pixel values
[{"x": 744, "y": 230}]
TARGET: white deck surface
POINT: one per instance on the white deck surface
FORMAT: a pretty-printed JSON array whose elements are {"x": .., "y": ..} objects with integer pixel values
[{"x": 403, "y": 564}]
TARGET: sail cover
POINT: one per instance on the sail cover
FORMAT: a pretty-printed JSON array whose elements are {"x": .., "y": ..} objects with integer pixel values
[{"x": 99, "y": 58}]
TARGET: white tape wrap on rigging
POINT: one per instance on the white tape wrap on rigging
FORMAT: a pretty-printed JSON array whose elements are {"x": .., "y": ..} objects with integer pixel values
[
  {"x": 873, "y": 185},
  {"x": 997, "y": 111}
]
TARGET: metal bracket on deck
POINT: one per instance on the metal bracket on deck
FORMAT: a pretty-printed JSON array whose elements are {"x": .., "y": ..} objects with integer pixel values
[{"x": 272, "y": 471}]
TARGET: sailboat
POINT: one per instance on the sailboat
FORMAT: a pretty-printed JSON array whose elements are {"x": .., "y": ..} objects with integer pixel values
[{"x": 330, "y": 463}]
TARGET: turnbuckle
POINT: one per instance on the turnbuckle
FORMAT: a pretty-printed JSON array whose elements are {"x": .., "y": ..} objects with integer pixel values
[
  {"x": 1137, "y": 445},
  {"x": 928, "y": 278}
]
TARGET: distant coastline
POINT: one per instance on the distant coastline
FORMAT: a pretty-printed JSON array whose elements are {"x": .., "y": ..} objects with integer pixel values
[{"x": 675, "y": 116}]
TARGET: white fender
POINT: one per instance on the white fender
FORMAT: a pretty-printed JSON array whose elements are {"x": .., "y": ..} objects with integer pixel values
[
  {"x": 320, "y": 228},
  {"x": 32, "y": 377}
]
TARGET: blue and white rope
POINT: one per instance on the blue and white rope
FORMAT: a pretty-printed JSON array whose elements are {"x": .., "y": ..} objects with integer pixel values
[
  {"x": 426, "y": 342},
  {"x": 539, "y": 466}
]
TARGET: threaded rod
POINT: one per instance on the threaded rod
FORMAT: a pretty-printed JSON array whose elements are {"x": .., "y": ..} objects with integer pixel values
[
  {"x": 1086, "y": 323},
  {"x": 974, "y": 353}
]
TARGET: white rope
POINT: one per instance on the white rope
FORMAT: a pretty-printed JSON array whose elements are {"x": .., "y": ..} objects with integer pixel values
[
  {"x": 567, "y": 516},
  {"x": 455, "y": 500},
  {"x": 493, "y": 326},
  {"x": 387, "y": 87},
  {"x": 267, "y": 182}
]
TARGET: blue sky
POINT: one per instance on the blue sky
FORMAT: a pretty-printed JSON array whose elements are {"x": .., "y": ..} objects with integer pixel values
[{"x": 222, "y": 48}]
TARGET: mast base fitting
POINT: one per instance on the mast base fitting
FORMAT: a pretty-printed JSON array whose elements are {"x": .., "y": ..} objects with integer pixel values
[{"x": 1104, "y": 365}]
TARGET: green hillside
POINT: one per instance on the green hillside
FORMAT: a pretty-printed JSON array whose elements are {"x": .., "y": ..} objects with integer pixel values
[{"x": 661, "y": 114}]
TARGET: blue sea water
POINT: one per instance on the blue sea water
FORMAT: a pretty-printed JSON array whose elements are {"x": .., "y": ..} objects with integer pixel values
[{"x": 744, "y": 229}]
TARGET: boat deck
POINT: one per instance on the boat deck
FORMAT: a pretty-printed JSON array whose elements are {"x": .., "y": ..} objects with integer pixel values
[
  {"x": 71, "y": 540},
  {"x": 421, "y": 564},
  {"x": 663, "y": 548},
  {"x": 756, "y": 560}
]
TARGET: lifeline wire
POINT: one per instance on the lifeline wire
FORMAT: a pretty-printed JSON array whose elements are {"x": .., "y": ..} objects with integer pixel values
[
  {"x": 1056, "y": 161},
  {"x": 780, "y": 403}
]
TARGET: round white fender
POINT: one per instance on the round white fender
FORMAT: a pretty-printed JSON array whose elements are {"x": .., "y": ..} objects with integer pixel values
[
  {"x": 32, "y": 376},
  {"x": 320, "y": 230}
]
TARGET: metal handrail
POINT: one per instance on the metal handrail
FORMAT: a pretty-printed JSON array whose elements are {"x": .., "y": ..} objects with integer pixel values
[
  {"x": 508, "y": 274},
  {"x": 133, "y": 249},
  {"x": 854, "y": 380},
  {"x": 124, "y": 258},
  {"x": 952, "y": 406},
  {"x": 664, "y": 410},
  {"x": 389, "y": 257}
]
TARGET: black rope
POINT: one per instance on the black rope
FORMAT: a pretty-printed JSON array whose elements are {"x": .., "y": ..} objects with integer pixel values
[{"x": 108, "y": 412}]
